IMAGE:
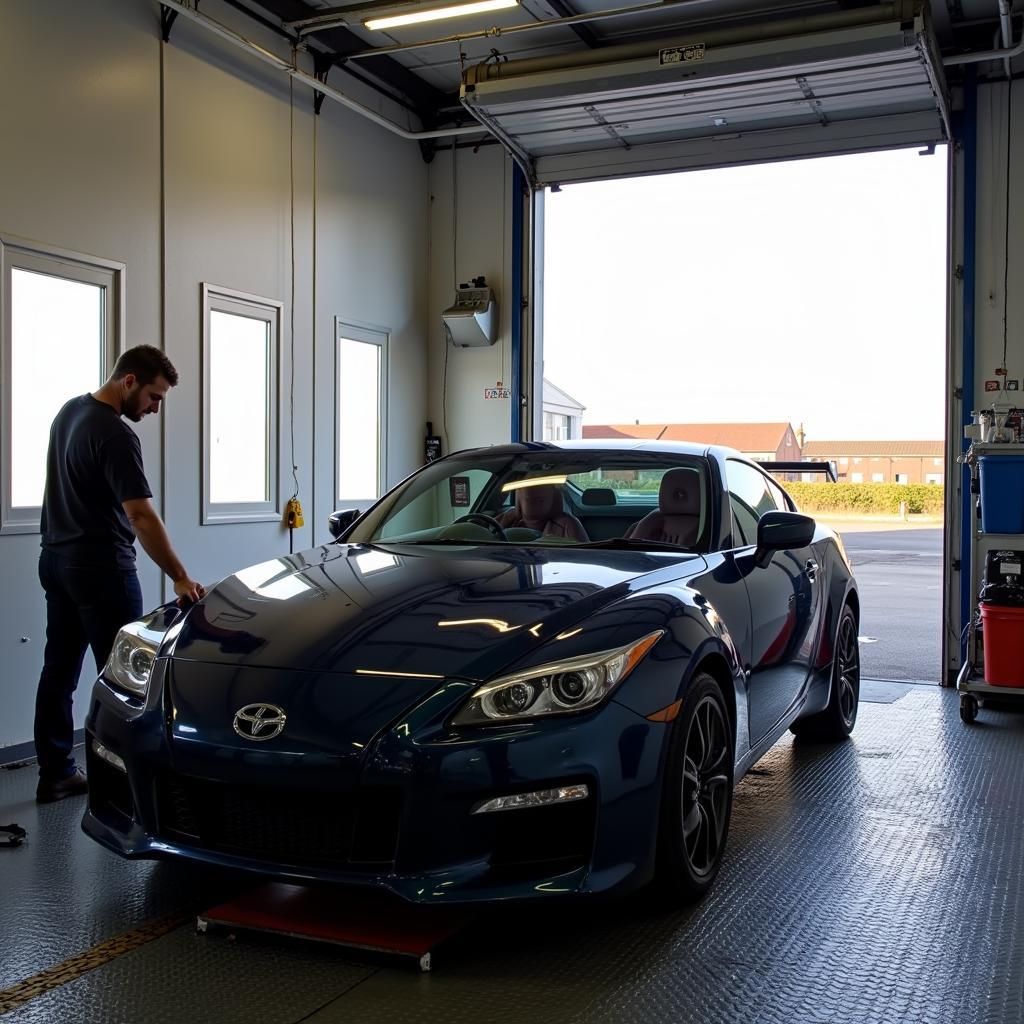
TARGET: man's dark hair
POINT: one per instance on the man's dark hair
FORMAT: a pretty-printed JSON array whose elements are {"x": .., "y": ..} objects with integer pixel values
[{"x": 147, "y": 363}]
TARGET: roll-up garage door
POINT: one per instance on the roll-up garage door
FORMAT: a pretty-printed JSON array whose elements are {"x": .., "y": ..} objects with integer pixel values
[{"x": 857, "y": 80}]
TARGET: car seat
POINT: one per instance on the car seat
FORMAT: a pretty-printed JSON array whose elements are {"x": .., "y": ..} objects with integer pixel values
[
  {"x": 541, "y": 508},
  {"x": 677, "y": 517}
]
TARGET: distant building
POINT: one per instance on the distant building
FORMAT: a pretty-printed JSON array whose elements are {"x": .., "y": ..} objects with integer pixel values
[
  {"x": 563, "y": 415},
  {"x": 881, "y": 462},
  {"x": 766, "y": 442}
]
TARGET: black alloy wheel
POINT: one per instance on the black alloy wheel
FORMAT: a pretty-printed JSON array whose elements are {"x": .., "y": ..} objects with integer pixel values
[
  {"x": 705, "y": 786},
  {"x": 836, "y": 722},
  {"x": 697, "y": 795}
]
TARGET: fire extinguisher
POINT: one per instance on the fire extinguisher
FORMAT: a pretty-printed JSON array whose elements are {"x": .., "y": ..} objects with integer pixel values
[{"x": 431, "y": 445}]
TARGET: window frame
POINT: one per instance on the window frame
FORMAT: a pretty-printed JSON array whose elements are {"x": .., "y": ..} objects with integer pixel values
[
  {"x": 736, "y": 523},
  {"x": 217, "y": 299},
  {"x": 366, "y": 334},
  {"x": 53, "y": 261}
]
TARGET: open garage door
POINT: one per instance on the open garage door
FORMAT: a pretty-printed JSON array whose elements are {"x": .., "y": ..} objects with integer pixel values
[{"x": 855, "y": 80}]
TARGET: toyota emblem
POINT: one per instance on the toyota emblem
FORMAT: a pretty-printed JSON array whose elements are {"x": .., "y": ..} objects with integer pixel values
[{"x": 259, "y": 722}]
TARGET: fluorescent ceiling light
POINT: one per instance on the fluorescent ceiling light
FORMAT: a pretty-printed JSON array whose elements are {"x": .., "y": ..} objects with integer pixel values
[{"x": 438, "y": 13}]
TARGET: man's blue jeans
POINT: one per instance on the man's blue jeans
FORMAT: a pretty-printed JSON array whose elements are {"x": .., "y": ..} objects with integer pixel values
[{"x": 85, "y": 607}]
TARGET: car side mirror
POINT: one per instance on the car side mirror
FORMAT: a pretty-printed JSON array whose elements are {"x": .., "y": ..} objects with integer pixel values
[
  {"x": 338, "y": 522},
  {"x": 777, "y": 531}
]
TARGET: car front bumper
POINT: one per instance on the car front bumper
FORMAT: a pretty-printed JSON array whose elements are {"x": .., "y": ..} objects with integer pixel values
[{"x": 400, "y": 817}]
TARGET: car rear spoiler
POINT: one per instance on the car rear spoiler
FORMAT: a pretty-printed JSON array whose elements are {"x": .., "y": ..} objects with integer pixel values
[{"x": 800, "y": 467}]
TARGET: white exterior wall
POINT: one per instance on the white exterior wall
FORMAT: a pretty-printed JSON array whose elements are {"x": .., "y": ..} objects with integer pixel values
[{"x": 87, "y": 140}]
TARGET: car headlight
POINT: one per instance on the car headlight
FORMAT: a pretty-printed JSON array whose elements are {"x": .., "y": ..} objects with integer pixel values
[
  {"x": 558, "y": 688},
  {"x": 131, "y": 658}
]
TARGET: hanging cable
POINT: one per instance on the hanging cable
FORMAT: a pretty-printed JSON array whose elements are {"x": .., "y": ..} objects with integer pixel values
[
  {"x": 294, "y": 509},
  {"x": 455, "y": 285},
  {"x": 313, "y": 314},
  {"x": 1006, "y": 221}
]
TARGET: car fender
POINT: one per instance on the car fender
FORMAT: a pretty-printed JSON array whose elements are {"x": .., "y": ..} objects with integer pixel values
[{"x": 695, "y": 636}]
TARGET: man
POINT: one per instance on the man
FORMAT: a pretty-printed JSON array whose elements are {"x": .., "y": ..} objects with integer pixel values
[{"x": 96, "y": 502}]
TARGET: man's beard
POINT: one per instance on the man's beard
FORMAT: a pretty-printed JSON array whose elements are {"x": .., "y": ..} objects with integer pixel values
[{"x": 133, "y": 410}]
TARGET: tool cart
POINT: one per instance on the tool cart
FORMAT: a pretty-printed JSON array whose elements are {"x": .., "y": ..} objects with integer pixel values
[{"x": 994, "y": 666}]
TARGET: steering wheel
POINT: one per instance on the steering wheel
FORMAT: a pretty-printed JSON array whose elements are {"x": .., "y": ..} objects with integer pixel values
[{"x": 484, "y": 520}]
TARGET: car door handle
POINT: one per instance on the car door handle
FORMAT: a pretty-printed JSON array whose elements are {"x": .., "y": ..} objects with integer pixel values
[{"x": 811, "y": 569}]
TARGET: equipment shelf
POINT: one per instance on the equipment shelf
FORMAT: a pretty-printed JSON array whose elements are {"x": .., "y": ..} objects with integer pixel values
[{"x": 970, "y": 683}]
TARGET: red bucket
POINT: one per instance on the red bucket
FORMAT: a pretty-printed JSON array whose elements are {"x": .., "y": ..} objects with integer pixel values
[{"x": 1003, "y": 633}]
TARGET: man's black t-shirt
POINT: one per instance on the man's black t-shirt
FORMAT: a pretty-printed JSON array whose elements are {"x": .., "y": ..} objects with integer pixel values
[{"x": 94, "y": 462}]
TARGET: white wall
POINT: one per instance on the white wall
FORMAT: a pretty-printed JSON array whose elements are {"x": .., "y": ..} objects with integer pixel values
[
  {"x": 991, "y": 241},
  {"x": 996, "y": 252},
  {"x": 479, "y": 242},
  {"x": 88, "y": 142}
]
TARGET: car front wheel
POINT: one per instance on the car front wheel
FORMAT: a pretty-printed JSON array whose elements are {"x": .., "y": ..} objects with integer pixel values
[{"x": 696, "y": 795}]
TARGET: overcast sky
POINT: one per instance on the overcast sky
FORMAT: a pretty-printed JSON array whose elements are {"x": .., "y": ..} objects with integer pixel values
[{"x": 812, "y": 291}]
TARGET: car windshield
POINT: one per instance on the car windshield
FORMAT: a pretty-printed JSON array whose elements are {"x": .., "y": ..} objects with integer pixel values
[{"x": 563, "y": 497}]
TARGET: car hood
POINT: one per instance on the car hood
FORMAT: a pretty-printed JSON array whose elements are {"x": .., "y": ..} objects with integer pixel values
[{"x": 409, "y": 612}]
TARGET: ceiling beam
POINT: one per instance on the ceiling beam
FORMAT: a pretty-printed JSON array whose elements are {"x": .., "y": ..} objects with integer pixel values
[{"x": 425, "y": 98}]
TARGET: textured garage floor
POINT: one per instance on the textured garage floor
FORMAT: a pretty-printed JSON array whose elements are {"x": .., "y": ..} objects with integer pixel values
[{"x": 880, "y": 880}]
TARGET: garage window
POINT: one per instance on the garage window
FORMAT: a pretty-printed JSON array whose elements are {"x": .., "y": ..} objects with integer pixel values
[
  {"x": 240, "y": 373},
  {"x": 361, "y": 389},
  {"x": 557, "y": 427},
  {"x": 62, "y": 315}
]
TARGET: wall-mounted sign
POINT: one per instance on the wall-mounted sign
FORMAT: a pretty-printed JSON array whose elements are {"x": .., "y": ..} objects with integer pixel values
[
  {"x": 498, "y": 392},
  {"x": 991, "y": 385},
  {"x": 1012, "y": 385},
  {"x": 681, "y": 54},
  {"x": 458, "y": 488}
]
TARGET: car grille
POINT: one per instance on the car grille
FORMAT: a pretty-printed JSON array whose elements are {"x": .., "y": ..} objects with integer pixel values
[{"x": 356, "y": 829}]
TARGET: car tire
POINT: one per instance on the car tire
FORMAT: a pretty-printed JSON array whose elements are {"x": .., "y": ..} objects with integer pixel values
[
  {"x": 836, "y": 722},
  {"x": 696, "y": 795}
]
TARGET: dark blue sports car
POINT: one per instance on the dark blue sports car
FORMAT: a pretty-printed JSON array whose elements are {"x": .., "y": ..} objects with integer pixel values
[{"x": 527, "y": 670}]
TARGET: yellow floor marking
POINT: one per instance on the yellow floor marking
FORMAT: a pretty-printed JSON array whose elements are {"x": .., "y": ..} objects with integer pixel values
[{"x": 96, "y": 956}]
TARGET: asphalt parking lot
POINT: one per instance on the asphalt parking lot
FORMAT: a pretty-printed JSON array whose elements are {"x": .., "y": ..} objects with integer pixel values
[{"x": 899, "y": 572}]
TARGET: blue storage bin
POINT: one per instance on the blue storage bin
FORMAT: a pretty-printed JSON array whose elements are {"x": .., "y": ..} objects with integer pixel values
[{"x": 1002, "y": 493}]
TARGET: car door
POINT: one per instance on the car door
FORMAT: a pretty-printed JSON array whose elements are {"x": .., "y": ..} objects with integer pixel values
[{"x": 785, "y": 598}]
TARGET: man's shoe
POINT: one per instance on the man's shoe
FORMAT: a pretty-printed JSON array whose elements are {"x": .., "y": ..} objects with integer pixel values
[{"x": 74, "y": 785}]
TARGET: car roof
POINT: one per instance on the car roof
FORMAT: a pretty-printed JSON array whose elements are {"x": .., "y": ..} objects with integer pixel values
[{"x": 609, "y": 445}]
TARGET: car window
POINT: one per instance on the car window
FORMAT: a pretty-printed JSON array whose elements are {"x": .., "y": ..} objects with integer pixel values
[
  {"x": 440, "y": 501},
  {"x": 779, "y": 495},
  {"x": 749, "y": 498},
  {"x": 537, "y": 496}
]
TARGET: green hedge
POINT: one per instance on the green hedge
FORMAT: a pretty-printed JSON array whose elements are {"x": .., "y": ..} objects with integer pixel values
[{"x": 881, "y": 499}]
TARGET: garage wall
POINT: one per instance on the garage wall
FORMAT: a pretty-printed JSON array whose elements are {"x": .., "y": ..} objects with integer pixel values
[
  {"x": 89, "y": 140},
  {"x": 990, "y": 250},
  {"x": 476, "y": 241},
  {"x": 991, "y": 240}
]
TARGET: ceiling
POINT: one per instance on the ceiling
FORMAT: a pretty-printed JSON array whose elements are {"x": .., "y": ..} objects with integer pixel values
[
  {"x": 579, "y": 90},
  {"x": 427, "y": 78}
]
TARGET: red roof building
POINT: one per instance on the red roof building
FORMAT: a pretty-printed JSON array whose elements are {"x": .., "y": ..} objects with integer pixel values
[{"x": 882, "y": 462}]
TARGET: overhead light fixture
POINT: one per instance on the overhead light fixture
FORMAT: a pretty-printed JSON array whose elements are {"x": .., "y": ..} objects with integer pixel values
[{"x": 439, "y": 13}]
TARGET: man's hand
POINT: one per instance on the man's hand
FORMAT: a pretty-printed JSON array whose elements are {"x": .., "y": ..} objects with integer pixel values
[
  {"x": 152, "y": 534},
  {"x": 188, "y": 591}
]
